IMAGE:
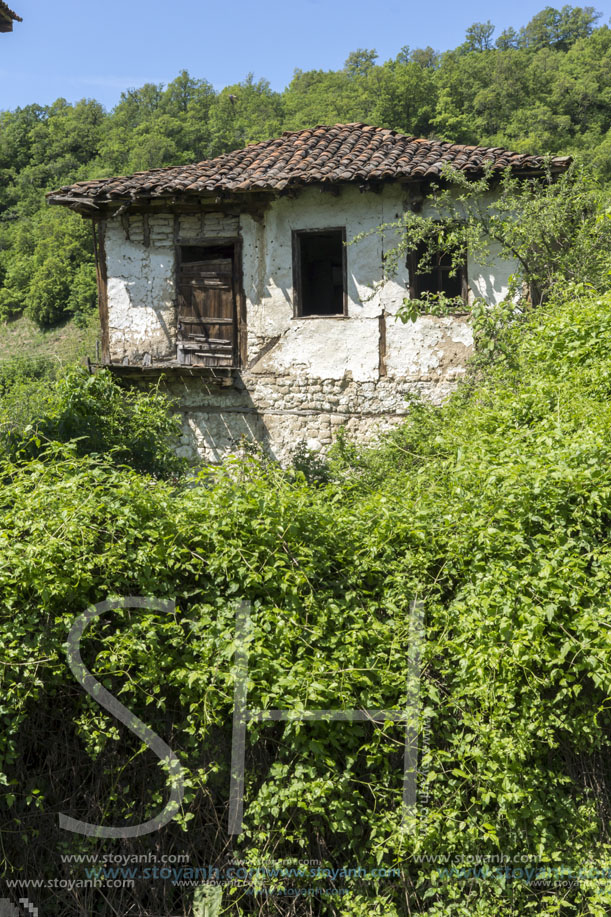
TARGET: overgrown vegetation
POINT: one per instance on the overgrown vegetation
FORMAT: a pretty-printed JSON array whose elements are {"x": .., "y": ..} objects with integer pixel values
[
  {"x": 90, "y": 411},
  {"x": 543, "y": 88},
  {"x": 556, "y": 230},
  {"x": 494, "y": 510}
]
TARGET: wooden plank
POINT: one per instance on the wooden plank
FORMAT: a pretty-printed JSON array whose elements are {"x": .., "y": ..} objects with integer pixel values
[
  {"x": 102, "y": 282},
  {"x": 194, "y": 344},
  {"x": 207, "y": 318},
  {"x": 382, "y": 344},
  {"x": 221, "y": 266},
  {"x": 241, "y": 339},
  {"x": 211, "y": 354},
  {"x": 296, "y": 252},
  {"x": 212, "y": 341}
]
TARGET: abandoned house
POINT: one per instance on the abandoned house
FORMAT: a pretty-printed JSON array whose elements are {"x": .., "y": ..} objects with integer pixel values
[
  {"x": 7, "y": 17},
  {"x": 235, "y": 279}
]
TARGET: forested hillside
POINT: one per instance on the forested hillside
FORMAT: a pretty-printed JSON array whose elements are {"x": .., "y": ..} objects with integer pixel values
[{"x": 543, "y": 88}]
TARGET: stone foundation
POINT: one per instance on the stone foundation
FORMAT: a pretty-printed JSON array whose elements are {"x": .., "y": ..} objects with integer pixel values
[{"x": 280, "y": 412}]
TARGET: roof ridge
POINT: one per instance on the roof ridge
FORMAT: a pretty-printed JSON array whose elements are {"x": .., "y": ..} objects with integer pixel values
[{"x": 338, "y": 124}]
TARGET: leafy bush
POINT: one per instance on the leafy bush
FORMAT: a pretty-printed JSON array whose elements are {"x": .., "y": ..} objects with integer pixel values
[
  {"x": 556, "y": 230},
  {"x": 129, "y": 426},
  {"x": 25, "y": 382},
  {"x": 23, "y": 370},
  {"x": 309, "y": 463}
]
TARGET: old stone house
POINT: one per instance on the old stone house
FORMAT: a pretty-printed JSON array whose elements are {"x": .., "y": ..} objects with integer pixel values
[
  {"x": 7, "y": 17},
  {"x": 233, "y": 279}
]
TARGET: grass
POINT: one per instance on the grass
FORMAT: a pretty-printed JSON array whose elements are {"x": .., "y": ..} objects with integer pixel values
[{"x": 68, "y": 343}]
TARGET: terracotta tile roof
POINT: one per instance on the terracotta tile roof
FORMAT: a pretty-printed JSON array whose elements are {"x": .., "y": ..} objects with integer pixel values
[
  {"x": 5, "y": 9},
  {"x": 327, "y": 155}
]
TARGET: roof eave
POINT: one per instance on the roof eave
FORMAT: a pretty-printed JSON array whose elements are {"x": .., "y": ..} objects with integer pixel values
[
  {"x": 92, "y": 207},
  {"x": 7, "y": 17},
  {"x": 83, "y": 205},
  {"x": 103, "y": 206}
]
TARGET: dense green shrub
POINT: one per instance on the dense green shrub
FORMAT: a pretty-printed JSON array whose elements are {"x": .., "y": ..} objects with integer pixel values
[
  {"x": 494, "y": 510},
  {"x": 554, "y": 229},
  {"x": 24, "y": 391},
  {"x": 25, "y": 369},
  {"x": 102, "y": 418}
]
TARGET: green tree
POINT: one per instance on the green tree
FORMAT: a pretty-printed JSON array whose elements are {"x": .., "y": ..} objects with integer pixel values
[
  {"x": 359, "y": 62},
  {"x": 319, "y": 97},
  {"x": 555, "y": 229},
  {"x": 244, "y": 113},
  {"x": 559, "y": 29},
  {"x": 507, "y": 39},
  {"x": 50, "y": 272},
  {"x": 405, "y": 98},
  {"x": 479, "y": 37}
]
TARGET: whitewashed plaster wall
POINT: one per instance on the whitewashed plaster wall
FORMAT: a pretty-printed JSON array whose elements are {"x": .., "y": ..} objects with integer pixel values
[
  {"x": 141, "y": 283},
  {"x": 331, "y": 346},
  {"x": 304, "y": 377},
  {"x": 140, "y": 291},
  {"x": 488, "y": 278}
]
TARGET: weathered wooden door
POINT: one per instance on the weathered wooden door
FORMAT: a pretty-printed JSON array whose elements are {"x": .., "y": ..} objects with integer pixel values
[{"x": 207, "y": 332}]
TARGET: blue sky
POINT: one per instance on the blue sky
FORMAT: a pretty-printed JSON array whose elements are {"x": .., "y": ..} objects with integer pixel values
[{"x": 79, "y": 48}]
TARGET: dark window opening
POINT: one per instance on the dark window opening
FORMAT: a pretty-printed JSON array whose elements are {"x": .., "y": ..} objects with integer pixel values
[
  {"x": 319, "y": 268},
  {"x": 192, "y": 253},
  {"x": 441, "y": 275}
]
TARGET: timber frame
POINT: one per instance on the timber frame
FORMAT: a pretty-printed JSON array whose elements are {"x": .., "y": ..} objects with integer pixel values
[
  {"x": 240, "y": 352},
  {"x": 220, "y": 374}
]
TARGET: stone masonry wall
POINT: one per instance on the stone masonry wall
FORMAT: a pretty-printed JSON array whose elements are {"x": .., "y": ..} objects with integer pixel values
[{"x": 279, "y": 412}]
